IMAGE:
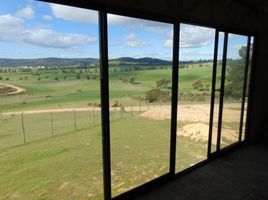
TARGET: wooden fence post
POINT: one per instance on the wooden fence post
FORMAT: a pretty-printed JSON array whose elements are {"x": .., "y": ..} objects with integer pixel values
[
  {"x": 23, "y": 128},
  {"x": 75, "y": 126},
  {"x": 51, "y": 123},
  {"x": 94, "y": 122}
]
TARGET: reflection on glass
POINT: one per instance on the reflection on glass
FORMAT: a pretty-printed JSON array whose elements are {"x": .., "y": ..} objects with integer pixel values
[
  {"x": 140, "y": 73},
  {"x": 195, "y": 76},
  {"x": 235, "y": 72},
  {"x": 50, "y": 137}
]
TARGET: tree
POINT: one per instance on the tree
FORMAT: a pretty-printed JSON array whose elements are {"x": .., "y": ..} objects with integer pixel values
[
  {"x": 198, "y": 85},
  {"x": 162, "y": 83},
  {"x": 132, "y": 80},
  {"x": 235, "y": 75},
  {"x": 78, "y": 76},
  {"x": 157, "y": 95}
]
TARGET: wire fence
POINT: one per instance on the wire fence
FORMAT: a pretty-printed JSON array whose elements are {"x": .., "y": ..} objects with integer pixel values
[{"x": 23, "y": 127}]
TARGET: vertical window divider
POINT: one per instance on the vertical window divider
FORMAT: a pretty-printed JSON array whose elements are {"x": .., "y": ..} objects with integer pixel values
[
  {"x": 105, "y": 116},
  {"x": 244, "y": 89},
  {"x": 251, "y": 82},
  {"x": 222, "y": 90},
  {"x": 174, "y": 99},
  {"x": 212, "y": 100}
]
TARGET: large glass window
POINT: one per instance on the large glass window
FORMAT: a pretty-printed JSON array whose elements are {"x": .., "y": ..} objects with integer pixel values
[
  {"x": 50, "y": 136},
  {"x": 140, "y": 72},
  {"x": 233, "y": 91},
  {"x": 195, "y": 77}
]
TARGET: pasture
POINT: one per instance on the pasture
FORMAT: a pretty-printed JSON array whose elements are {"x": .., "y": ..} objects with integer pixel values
[{"x": 58, "y": 155}]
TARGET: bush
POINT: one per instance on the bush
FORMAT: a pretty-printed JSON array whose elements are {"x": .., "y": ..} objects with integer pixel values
[
  {"x": 116, "y": 104},
  {"x": 200, "y": 86},
  {"x": 78, "y": 76},
  {"x": 157, "y": 95}
]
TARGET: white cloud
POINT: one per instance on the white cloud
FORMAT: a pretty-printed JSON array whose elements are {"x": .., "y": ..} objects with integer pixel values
[
  {"x": 49, "y": 38},
  {"x": 195, "y": 36},
  {"x": 74, "y": 14},
  {"x": 9, "y": 20},
  {"x": 27, "y": 13},
  {"x": 197, "y": 54},
  {"x": 168, "y": 43},
  {"x": 133, "y": 42},
  {"x": 13, "y": 29},
  {"x": 47, "y": 17}
]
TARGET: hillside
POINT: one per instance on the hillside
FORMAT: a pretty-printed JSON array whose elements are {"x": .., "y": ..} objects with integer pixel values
[{"x": 5, "y": 62}]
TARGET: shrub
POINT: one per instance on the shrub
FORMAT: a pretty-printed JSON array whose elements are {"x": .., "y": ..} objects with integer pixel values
[
  {"x": 78, "y": 76},
  {"x": 198, "y": 85},
  {"x": 116, "y": 104},
  {"x": 157, "y": 95}
]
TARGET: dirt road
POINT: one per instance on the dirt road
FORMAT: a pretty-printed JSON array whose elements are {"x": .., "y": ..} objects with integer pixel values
[{"x": 18, "y": 90}]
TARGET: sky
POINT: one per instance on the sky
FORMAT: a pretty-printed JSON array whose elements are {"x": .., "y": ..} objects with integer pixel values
[{"x": 32, "y": 29}]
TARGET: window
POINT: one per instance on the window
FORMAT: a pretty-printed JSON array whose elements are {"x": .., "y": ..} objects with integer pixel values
[
  {"x": 195, "y": 78},
  {"x": 233, "y": 89},
  {"x": 50, "y": 135},
  {"x": 140, "y": 72}
]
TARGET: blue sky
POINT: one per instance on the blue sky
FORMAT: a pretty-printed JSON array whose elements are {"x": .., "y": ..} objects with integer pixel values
[{"x": 32, "y": 29}]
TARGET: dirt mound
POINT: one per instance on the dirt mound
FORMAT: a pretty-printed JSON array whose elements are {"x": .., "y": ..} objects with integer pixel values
[
  {"x": 199, "y": 132},
  {"x": 194, "y": 113},
  {"x": 158, "y": 113}
]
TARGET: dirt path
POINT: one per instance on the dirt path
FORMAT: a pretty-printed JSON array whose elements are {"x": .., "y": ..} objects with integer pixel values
[
  {"x": 97, "y": 109},
  {"x": 18, "y": 90}
]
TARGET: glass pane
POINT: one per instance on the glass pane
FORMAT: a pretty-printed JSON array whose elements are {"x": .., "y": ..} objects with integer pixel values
[
  {"x": 195, "y": 76},
  {"x": 140, "y": 73},
  {"x": 50, "y": 136},
  {"x": 234, "y": 80}
]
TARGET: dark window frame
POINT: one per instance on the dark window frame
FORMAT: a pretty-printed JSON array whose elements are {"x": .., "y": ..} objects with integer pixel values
[{"x": 103, "y": 42}]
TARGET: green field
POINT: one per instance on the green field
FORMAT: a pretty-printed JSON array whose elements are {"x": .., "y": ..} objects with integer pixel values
[
  {"x": 72, "y": 92},
  {"x": 58, "y": 155}
]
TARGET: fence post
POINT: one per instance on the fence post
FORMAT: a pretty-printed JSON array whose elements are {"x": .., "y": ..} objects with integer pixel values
[
  {"x": 23, "y": 129},
  {"x": 51, "y": 123},
  {"x": 94, "y": 116},
  {"x": 75, "y": 127}
]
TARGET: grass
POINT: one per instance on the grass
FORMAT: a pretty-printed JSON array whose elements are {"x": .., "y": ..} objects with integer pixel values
[
  {"x": 62, "y": 156},
  {"x": 50, "y": 93},
  {"x": 68, "y": 165}
]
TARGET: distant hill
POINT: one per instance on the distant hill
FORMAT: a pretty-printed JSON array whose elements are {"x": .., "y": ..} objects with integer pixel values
[
  {"x": 4, "y": 62},
  {"x": 124, "y": 61},
  {"x": 139, "y": 61}
]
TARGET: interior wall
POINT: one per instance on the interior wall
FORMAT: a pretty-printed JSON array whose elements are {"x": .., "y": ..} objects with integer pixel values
[{"x": 258, "y": 124}]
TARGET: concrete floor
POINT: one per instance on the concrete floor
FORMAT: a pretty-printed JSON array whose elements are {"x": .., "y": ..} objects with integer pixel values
[{"x": 239, "y": 175}]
